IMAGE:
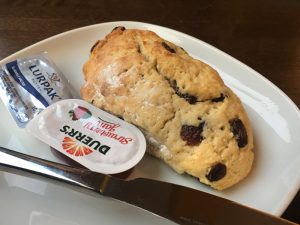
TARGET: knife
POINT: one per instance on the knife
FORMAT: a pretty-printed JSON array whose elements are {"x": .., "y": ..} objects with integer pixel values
[{"x": 177, "y": 203}]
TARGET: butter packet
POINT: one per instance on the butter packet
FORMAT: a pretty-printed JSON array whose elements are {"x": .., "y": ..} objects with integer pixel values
[
  {"x": 29, "y": 85},
  {"x": 92, "y": 137}
]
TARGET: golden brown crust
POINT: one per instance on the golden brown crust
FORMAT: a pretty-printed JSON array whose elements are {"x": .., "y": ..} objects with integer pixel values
[{"x": 157, "y": 86}]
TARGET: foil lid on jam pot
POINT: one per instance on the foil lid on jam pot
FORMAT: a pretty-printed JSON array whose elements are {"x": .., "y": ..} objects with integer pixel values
[
  {"x": 92, "y": 137},
  {"x": 29, "y": 85}
]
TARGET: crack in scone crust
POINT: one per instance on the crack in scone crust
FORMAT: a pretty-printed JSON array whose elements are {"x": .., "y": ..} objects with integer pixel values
[{"x": 180, "y": 101}]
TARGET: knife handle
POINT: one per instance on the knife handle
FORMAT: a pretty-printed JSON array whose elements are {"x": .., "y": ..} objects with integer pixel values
[{"x": 22, "y": 164}]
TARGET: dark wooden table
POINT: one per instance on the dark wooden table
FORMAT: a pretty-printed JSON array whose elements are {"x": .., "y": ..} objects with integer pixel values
[{"x": 263, "y": 34}]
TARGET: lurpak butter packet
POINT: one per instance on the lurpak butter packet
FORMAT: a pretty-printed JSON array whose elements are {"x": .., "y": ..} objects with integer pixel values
[
  {"x": 94, "y": 138},
  {"x": 29, "y": 85}
]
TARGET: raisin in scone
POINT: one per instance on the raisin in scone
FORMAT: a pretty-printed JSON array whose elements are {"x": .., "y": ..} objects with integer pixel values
[{"x": 191, "y": 120}]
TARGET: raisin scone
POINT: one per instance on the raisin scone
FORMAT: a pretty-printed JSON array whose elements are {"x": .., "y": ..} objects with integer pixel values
[{"x": 192, "y": 121}]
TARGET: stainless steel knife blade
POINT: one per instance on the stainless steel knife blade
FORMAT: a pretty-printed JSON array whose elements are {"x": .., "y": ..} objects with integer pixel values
[{"x": 177, "y": 203}]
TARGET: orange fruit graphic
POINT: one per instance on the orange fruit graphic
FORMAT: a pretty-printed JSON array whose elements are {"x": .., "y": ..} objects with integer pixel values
[{"x": 73, "y": 148}]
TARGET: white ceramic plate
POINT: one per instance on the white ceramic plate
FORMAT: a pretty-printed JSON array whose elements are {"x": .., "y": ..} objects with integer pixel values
[{"x": 271, "y": 186}]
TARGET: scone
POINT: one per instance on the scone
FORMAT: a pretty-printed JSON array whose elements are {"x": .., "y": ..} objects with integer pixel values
[{"x": 192, "y": 121}]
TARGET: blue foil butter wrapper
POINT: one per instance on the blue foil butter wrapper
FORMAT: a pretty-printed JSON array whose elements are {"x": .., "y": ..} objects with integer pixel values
[{"x": 29, "y": 85}]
